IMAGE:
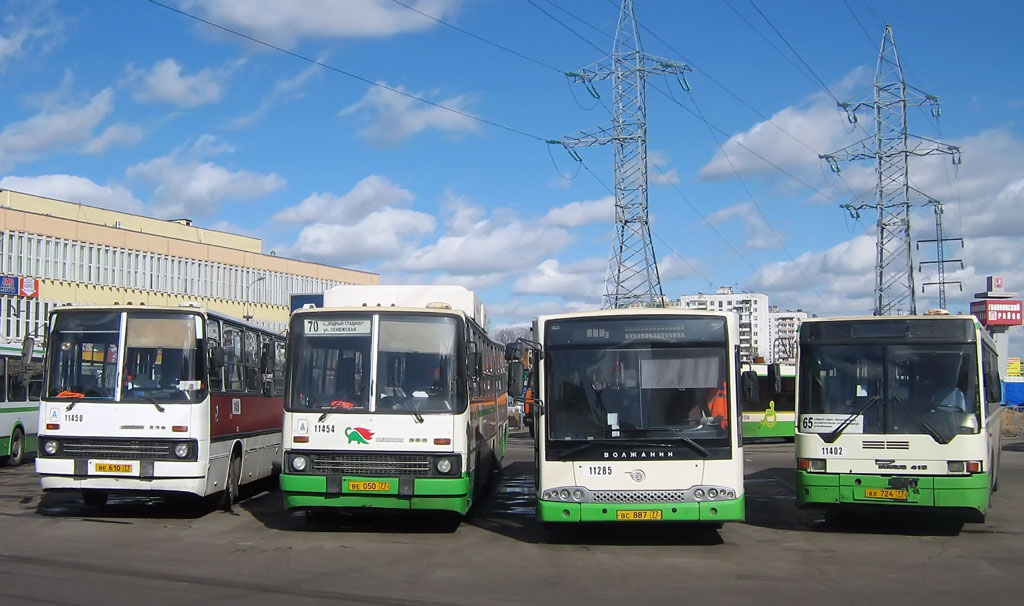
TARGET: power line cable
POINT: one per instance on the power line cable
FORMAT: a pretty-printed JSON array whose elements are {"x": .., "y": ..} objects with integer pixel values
[
  {"x": 480, "y": 38},
  {"x": 566, "y": 26},
  {"x": 769, "y": 42},
  {"x": 350, "y": 74}
]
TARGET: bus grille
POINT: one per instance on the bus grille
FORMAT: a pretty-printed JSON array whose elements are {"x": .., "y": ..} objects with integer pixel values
[
  {"x": 368, "y": 464},
  {"x": 885, "y": 445},
  {"x": 640, "y": 496},
  {"x": 117, "y": 449}
]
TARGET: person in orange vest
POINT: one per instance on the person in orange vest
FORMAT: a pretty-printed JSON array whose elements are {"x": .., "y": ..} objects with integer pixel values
[{"x": 718, "y": 407}]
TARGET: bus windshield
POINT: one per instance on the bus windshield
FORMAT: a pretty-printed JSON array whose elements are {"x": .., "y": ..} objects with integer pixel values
[
  {"x": 161, "y": 361},
  {"x": 905, "y": 389},
  {"x": 416, "y": 361},
  {"x": 636, "y": 379}
]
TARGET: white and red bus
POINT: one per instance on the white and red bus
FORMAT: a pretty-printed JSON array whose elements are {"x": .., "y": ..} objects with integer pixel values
[{"x": 143, "y": 400}]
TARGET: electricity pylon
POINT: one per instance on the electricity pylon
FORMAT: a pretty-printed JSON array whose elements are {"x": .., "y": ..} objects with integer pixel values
[
  {"x": 940, "y": 256},
  {"x": 890, "y": 147},
  {"x": 633, "y": 268}
]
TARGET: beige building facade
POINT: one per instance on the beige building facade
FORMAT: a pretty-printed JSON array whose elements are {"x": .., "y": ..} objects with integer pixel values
[{"x": 57, "y": 253}]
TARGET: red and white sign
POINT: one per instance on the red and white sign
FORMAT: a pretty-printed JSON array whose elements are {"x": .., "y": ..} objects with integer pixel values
[
  {"x": 1000, "y": 312},
  {"x": 28, "y": 287}
]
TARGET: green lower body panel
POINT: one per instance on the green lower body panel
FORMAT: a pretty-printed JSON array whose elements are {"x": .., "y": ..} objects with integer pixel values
[
  {"x": 732, "y": 510},
  {"x": 31, "y": 444},
  {"x": 832, "y": 489},
  {"x": 443, "y": 494},
  {"x": 781, "y": 429}
]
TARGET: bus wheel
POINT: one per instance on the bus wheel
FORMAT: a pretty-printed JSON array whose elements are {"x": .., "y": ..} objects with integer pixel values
[
  {"x": 94, "y": 498},
  {"x": 230, "y": 494},
  {"x": 17, "y": 448}
]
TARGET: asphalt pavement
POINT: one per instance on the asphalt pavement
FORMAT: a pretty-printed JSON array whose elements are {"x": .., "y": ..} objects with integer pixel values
[{"x": 55, "y": 550}]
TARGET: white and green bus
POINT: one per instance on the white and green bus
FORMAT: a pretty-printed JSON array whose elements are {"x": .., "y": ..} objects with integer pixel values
[
  {"x": 636, "y": 415},
  {"x": 21, "y": 368},
  {"x": 772, "y": 415},
  {"x": 395, "y": 399},
  {"x": 897, "y": 412}
]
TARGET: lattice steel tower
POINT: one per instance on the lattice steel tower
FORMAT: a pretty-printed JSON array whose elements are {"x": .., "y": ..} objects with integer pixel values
[
  {"x": 890, "y": 147},
  {"x": 633, "y": 269}
]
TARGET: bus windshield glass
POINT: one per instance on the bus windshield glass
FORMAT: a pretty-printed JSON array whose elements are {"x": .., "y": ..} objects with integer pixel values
[
  {"x": 416, "y": 361},
  {"x": 636, "y": 379},
  {"x": 904, "y": 389},
  {"x": 161, "y": 361}
]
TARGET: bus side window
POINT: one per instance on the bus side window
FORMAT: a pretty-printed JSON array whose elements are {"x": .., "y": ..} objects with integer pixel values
[
  {"x": 279, "y": 360},
  {"x": 252, "y": 361},
  {"x": 233, "y": 367},
  {"x": 16, "y": 388},
  {"x": 35, "y": 380},
  {"x": 3, "y": 379},
  {"x": 212, "y": 340}
]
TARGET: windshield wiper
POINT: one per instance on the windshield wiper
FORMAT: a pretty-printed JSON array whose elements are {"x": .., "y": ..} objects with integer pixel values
[
  {"x": 703, "y": 452},
  {"x": 415, "y": 413},
  {"x": 153, "y": 400},
  {"x": 833, "y": 435},
  {"x": 934, "y": 433},
  {"x": 589, "y": 443},
  {"x": 72, "y": 403}
]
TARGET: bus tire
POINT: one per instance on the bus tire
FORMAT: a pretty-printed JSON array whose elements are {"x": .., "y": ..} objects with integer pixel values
[
  {"x": 230, "y": 495},
  {"x": 94, "y": 498},
  {"x": 17, "y": 455}
]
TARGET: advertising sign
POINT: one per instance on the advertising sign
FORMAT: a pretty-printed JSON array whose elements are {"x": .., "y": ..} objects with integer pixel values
[
  {"x": 1000, "y": 312},
  {"x": 1013, "y": 367},
  {"x": 8, "y": 285},
  {"x": 28, "y": 287}
]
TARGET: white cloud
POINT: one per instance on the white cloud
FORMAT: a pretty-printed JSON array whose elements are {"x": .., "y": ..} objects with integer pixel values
[
  {"x": 370, "y": 194},
  {"x": 382, "y": 234},
  {"x": 661, "y": 175},
  {"x": 756, "y": 231},
  {"x": 165, "y": 83},
  {"x": 286, "y": 23},
  {"x": 115, "y": 134},
  {"x": 578, "y": 280},
  {"x": 674, "y": 267},
  {"x": 390, "y": 117},
  {"x": 57, "y": 127},
  {"x": 29, "y": 29},
  {"x": 815, "y": 126},
  {"x": 284, "y": 91},
  {"x": 185, "y": 185},
  {"x": 71, "y": 188},
  {"x": 585, "y": 212},
  {"x": 501, "y": 243}
]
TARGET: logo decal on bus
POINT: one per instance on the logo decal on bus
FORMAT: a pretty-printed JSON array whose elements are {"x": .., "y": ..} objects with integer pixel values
[{"x": 359, "y": 435}]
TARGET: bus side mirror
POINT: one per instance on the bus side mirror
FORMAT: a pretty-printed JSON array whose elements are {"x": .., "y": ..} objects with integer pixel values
[
  {"x": 775, "y": 379},
  {"x": 514, "y": 351},
  {"x": 216, "y": 358},
  {"x": 749, "y": 387},
  {"x": 516, "y": 379},
  {"x": 27, "y": 345}
]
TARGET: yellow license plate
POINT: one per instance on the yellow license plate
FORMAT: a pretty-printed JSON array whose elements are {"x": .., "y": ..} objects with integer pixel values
[
  {"x": 638, "y": 514},
  {"x": 886, "y": 493},
  {"x": 114, "y": 468},
  {"x": 369, "y": 486}
]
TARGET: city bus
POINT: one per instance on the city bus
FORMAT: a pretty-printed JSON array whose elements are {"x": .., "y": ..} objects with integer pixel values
[
  {"x": 21, "y": 370},
  {"x": 635, "y": 415},
  {"x": 771, "y": 415},
  {"x": 142, "y": 400},
  {"x": 897, "y": 412},
  {"x": 395, "y": 400}
]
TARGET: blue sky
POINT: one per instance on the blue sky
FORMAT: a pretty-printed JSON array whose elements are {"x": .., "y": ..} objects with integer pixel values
[{"x": 128, "y": 105}]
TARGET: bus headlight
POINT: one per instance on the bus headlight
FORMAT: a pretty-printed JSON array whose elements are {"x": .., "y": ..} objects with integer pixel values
[
  {"x": 444, "y": 465},
  {"x": 181, "y": 450},
  {"x": 699, "y": 493},
  {"x": 50, "y": 447},
  {"x": 299, "y": 463}
]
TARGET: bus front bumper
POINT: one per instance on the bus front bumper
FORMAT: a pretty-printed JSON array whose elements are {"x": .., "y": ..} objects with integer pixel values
[
  {"x": 823, "y": 490},
  {"x": 442, "y": 494},
  {"x": 730, "y": 510},
  {"x": 155, "y": 476}
]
